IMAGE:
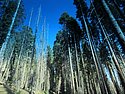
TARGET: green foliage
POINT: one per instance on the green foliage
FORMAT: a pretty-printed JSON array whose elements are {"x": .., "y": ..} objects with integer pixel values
[
  {"x": 49, "y": 57},
  {"x": 27, "y": 36},
  {"x": 58, "y": 52},
  {"x": 82, "y": 7}
]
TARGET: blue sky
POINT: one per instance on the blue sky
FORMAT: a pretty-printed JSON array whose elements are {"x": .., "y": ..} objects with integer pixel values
[{"x": 51, "y": 10}]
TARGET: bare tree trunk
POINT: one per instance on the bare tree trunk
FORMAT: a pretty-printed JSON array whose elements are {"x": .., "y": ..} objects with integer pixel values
[
  {"x": 111, "y": 50},
  {"x": 77, "y": 62},
  {"x": 2, "y": 50},
  {"x": 116, "y": 89},
  {"x": 72, "y": 75},
  {"x": 87, "y": 83},
  {"x": 33, "y": 52},
  {"x": 76, "y": 79},
  {"x": 7, "y": 67},
  {"x": 59, "y": 85},
  {"x": 116, "y": 76},
  {"x": 95, "y": 87},
  {"x": 104, "y": 82},
  {"x": 27, "y": 75},
  {"x": 23, "y": 74},
  {"x": 90, "y": 81},
  {"x": 94, "y": 58}
]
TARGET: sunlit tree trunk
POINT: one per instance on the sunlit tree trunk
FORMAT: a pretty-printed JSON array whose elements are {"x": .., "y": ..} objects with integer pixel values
[
  {"x": 6, "y": 71},
  {"x": 77, "y": 62},
  {"x": 27, "y": 74},
  {"x": 76, "y": 80},
  {"x": 90, "y": 83},
  {"x": 95, "y": 87},
  {"x": 23, "y": 68},
  {"x": 98, "y": 87},
  {"x": 37, "y": 87},
  {"x": 48, "y": 82},
  {"x": 116, "y": 88},
  {"x": 59, "y": 85},
  {"x": 72, "y": 75},
  {"x": 2, "y": 50}
]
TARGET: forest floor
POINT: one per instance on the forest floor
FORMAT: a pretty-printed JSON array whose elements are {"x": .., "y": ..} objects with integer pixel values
[
  {"x": 24, "y": 92},
  {"x": 4, "y": 90}
]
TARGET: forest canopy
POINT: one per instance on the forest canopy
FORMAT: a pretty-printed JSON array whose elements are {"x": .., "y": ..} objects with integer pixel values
[{"x": 87, "y": 56}]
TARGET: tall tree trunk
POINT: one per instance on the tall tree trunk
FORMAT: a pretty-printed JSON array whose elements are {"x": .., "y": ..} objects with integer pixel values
[
  {"x": 9, "y": 31},
  {"x": 3, "y": 48},
  {"x": 111, "y": 50},
  {"x": 72, "y": 75},
  {"x": 87, "y": 83},
  {"x": 116, "y": 25},
  {"x": 23, "y": 68},
  {"x": 93, "y": 55},
  {"x": 59, "y": 85},
  {"x": 76, "y": 80},
  {"x": 104, "y": 82},
  {"x": 33, "y": 52},
  {"x": 116, "y": 88},
  {"x": 95, "y": 86},
  {"x": 77, "y": 62},
  {"x": 6, "y": 71},
  {"x": 90, "y": 83}
]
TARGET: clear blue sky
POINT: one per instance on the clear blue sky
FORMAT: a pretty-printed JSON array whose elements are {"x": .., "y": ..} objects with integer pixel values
[{"x": 51, "y": 9}]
